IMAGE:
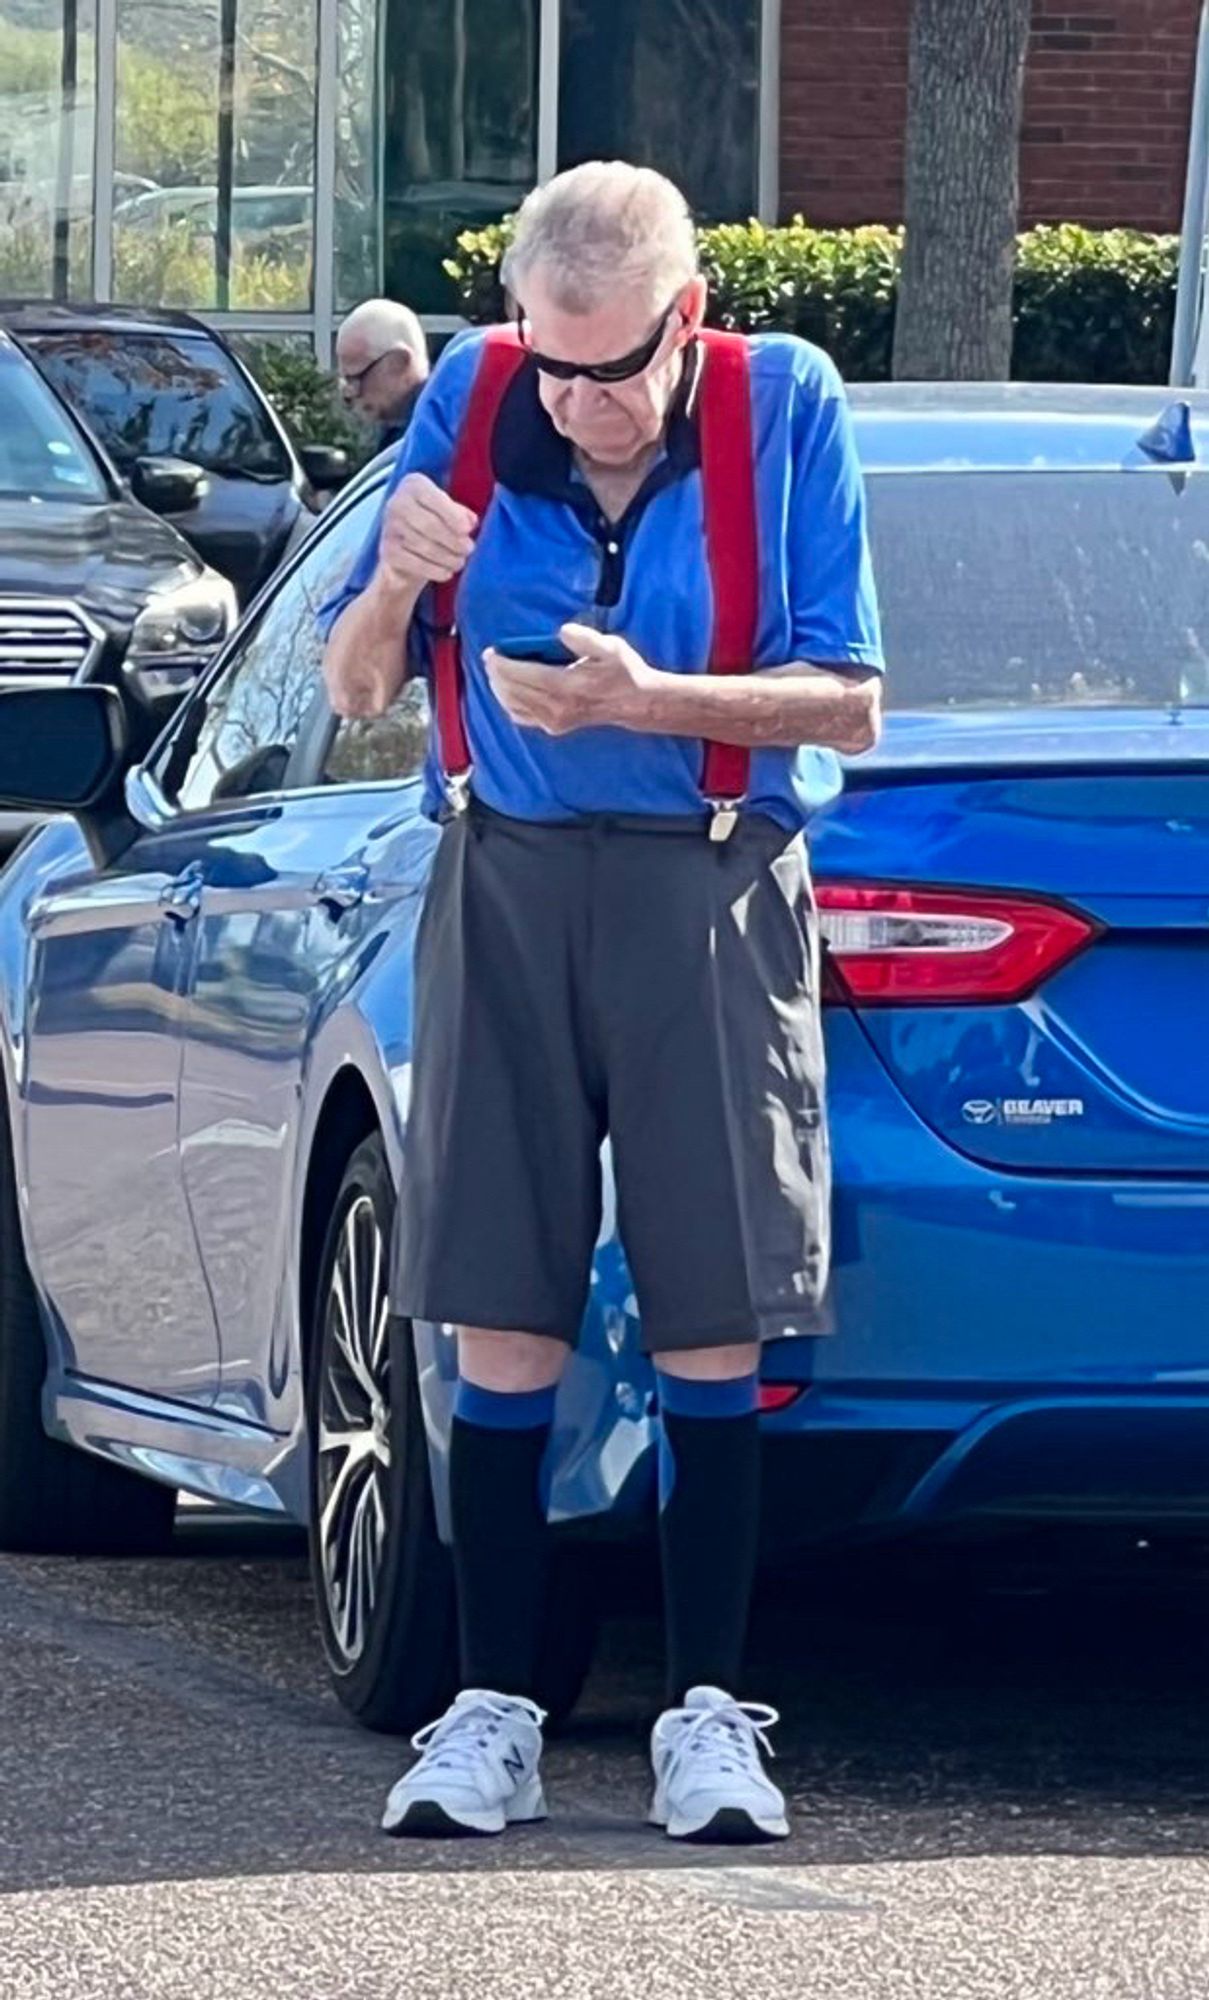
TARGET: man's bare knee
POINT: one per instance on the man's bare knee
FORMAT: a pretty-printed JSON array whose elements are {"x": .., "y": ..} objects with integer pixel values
[
  {"x": 509, "y": 1362},
  {"x": 710, "y": 1364}
]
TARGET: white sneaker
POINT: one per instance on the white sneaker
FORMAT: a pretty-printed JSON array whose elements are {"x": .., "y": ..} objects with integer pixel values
[
  {"x": 477, "y": 1771},
  {"x": 709, "y": 1781}
]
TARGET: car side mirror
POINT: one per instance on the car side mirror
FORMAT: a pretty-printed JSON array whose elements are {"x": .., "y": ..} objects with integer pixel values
[
  {"x": 168, "y": 485},
  {"x": 326, "y": 466},
  {"x": 61, "y": 749}
]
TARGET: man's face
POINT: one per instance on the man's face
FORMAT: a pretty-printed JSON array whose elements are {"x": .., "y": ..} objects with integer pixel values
[
  {"x": 612, "y": 423},
  {"x": 376, "y": 385}
]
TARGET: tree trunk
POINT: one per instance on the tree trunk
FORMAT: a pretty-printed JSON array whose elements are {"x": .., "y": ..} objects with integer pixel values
[{"x": 954, "y": 319}]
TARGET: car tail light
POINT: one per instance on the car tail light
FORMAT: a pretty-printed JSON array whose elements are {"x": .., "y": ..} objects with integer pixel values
[
  {"x": 902, "y": 947},
  {"x": 779, "y": 1395}
]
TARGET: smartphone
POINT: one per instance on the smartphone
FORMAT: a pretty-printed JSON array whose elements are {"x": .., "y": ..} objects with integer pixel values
[{"x": 548, "y": 649}]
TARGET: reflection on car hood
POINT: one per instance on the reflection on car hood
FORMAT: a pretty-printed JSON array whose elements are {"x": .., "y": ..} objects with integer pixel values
[{"x": 108, "y": 557}]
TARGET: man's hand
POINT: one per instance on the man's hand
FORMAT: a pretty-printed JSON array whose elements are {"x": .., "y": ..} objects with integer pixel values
[
  {"x": 607, "y": 683},
  {"x": 426, "y": 536}
]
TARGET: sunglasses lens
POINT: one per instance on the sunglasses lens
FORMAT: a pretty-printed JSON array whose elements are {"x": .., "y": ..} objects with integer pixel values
[{"x": 622, "y": 370}]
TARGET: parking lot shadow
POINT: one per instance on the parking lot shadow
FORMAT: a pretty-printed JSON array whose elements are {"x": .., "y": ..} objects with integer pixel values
[{"x": 171, "y": 1719}]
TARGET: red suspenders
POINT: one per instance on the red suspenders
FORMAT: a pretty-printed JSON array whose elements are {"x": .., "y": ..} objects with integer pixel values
[
  {"x": 471, "y": 482},
  {"x": 728, "y": 484}
]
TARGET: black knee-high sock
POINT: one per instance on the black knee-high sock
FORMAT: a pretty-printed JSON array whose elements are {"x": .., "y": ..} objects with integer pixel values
[
  {"x": 709, "y": 1498},
  {"x": 499, "y": 1533}
]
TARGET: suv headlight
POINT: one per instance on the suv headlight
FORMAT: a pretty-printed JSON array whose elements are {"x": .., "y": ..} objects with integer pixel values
[{"x": 177, "y": 631}]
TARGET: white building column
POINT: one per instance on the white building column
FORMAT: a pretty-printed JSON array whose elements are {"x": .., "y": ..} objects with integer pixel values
[
  {"x": 323, "y": 281},
  {"x": 104, "y": 148},
  {"x": 768, "y": 159},
  {"x": 549, "y": 31}
]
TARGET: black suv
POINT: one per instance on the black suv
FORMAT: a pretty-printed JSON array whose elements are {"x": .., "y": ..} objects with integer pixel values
[
  {"x": 156, "y": 384},
  {"x": 93, "y": 584}
]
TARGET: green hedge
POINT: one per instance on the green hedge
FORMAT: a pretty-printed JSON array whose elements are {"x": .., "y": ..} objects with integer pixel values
[{"x": 1090, "y": 305}]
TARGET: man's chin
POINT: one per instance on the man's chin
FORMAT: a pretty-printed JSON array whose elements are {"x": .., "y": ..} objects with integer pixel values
[{"x": 615, "y": 451}]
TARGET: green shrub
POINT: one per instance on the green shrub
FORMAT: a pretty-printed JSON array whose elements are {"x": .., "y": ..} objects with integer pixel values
[
  {"x": 1094, "y": 305},
  {"x": 1090, "y": 305}
]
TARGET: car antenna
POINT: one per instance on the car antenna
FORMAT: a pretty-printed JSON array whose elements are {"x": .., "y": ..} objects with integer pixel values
[{"x": 1170, "y": 441}]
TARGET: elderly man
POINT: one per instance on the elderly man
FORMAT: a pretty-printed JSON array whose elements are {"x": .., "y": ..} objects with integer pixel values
[
  {"x": 619, "y": 935},
  {"x": 382, "y": 363}
]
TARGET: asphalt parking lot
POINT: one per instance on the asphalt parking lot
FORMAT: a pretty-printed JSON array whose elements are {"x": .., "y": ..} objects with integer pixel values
[{"x": 999, "y": 1771}]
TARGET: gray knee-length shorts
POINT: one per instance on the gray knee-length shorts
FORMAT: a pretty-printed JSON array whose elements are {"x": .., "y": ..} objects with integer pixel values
[{"x": 626, "y": 977}]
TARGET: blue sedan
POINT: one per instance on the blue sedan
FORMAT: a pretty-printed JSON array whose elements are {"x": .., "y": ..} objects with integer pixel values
[{"x": 205, "y": 1033}]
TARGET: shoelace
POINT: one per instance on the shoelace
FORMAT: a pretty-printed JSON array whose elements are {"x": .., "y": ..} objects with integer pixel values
[
  {"x": 461, "y": 1739},
  {"x": 724, "y": 1740}
]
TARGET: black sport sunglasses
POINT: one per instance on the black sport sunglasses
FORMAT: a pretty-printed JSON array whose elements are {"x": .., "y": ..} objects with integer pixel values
[{"x": 621, "y": 370}]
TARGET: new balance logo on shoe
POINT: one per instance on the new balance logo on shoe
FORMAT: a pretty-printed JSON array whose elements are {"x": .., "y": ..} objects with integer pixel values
[{"x": 514, "y": 1763}]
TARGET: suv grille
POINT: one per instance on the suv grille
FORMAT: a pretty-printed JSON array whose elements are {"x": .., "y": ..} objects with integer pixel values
[{"x": 44, "y": 643}]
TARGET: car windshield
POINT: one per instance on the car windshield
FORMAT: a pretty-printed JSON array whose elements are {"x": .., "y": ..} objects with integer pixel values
[
  {"x": 42, "y": 456},
  {"x": 164, "y": 395},
  {"x": 1014, "y": 589}
]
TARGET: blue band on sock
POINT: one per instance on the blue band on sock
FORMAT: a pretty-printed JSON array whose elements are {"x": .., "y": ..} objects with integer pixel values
[
  {"x": 504, "y": 1409},
  {"x": 680, "y": 1397}
]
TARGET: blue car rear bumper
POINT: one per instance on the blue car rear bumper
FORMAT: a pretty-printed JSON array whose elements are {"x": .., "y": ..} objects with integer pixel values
[{"x": 1008, "y": 1345}]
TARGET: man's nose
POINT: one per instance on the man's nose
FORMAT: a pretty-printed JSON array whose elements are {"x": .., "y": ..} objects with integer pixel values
[{"x": 585, "y": 399}]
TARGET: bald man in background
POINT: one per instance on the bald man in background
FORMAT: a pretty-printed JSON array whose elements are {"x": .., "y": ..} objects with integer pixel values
[{"x": 382, "y": 363}]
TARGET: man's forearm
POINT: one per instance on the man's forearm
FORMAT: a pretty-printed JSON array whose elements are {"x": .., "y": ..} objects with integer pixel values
[
  {"x": 366, "y": 660},
  {"x": 780, "y": 707}
]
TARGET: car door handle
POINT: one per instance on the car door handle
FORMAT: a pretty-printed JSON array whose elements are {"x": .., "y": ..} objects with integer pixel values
[
  {"x": 181, "y": 900},
  {"x": 341, "y": 889}
]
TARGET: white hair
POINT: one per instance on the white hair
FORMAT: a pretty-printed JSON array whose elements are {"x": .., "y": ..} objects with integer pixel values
[
  {"x": 600, "y": 229},
  {"x": 384, "y": 325}
]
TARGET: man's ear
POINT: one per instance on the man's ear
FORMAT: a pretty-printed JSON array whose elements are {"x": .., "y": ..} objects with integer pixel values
[{"x": 692, "y": 303}]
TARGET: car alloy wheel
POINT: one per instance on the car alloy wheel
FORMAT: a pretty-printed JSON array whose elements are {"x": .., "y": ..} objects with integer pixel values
[
  {"x": 383, "y": 1581},
  {"x": 354, "y": 1435}
]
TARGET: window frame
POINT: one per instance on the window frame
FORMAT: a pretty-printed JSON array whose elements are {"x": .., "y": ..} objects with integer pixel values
[{"x": 319, "y": 321}]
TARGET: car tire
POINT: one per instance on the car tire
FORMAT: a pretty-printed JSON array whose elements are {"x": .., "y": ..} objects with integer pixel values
[
  {"x": 54, "y": 1499},
  {"x": 383, "y": 1579}
]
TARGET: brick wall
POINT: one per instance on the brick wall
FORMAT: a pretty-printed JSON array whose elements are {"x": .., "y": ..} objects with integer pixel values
[{"x": 1108, "y": 93}]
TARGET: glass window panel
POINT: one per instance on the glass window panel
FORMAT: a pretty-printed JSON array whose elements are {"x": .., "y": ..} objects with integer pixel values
[
  {"x": 358, "y": 197},
  {"x": 1015, "y": 589},
  {"x": 460, "y": 131},
  {"x": 155, "y": 395},
  {"x": 47, "y": 111},
  {"x": 235, "y": 740},
  {"x": 42, "y": 456},
  {"x": 166, "y": 134},
  {"x": 382, "y": 747},
  {"x": 273, "y": 159},
  {"x": 185, "y": 137},
  {"x": 673, "y": 86}
]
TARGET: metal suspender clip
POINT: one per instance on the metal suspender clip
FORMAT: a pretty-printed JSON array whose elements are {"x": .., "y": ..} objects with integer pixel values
[
  {"x": 724, "y": 818},
  {"x": 457, "y": 791}
]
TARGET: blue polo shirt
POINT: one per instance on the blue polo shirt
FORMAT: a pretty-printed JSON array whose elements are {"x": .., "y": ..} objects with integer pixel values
[{"x": 546, "y": 554}]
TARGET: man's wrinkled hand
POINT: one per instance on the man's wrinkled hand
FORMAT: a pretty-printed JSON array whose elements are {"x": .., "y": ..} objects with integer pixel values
[
  {"x": 426, "y": 536},
  {"x": 607, "y": 684}
]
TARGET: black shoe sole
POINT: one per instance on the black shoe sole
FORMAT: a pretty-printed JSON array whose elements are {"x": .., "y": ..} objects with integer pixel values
[
  {"x": 425, "y": 1820},
  {"x": 730, "y": 1828}
]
